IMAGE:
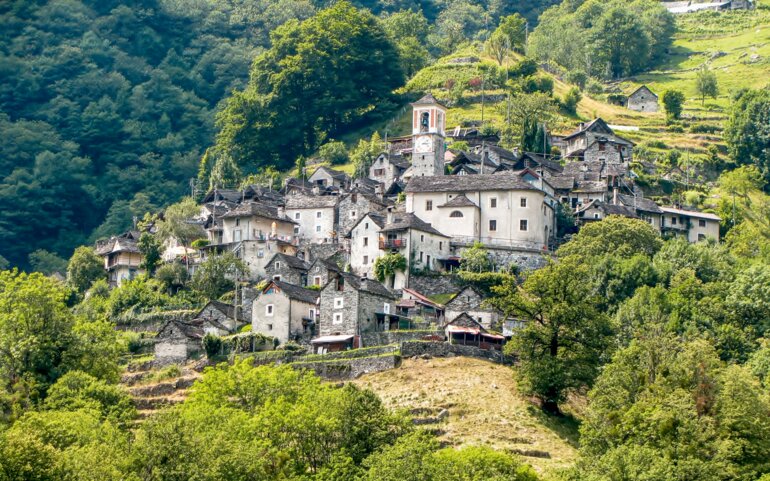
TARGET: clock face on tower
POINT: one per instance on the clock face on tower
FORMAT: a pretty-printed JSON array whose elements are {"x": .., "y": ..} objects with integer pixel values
[{"x": 423, "y": 144}]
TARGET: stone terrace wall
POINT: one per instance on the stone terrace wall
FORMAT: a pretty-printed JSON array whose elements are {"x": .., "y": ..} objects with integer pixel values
[
  {"x": 343, "y": 369},
  {"x": 444, "y": 349},
  {"x": 384, "y": 338},
  {"x": 435, "y": 285}
]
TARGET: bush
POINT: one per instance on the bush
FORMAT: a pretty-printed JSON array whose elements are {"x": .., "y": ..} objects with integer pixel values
[
  {"x": 594, "y": 88},
  {"x": 333, "y": 152},
  {"x": 705, "y": 129},
  {"x": 212, "y": 345},
  {"x": 525, "y": 68},
  {"x": 571, "y": 100},
  {"x": 616, "y": 99},
  {"x": 538, "y": 83},
  {"x": 577, "y": 77},
  {"x": 676, "y": 128}
]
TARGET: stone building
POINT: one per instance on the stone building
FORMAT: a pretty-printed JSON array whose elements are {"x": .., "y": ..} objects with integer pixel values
[
  {"x": 501, "y": 210},
  {"x": 121, "y": 257},
  {"x": 329, "y": 178},
  {"x": 692, "y": 225},
  {"x": 642, "y": 100},
  {"x": 286, "y": 268},
  {"x": 428, "y": 137},
  {"x": 645, "y": 209},
  {"x": 322, "y": 271},
  {"x": 177, "y": 342},
  {"x": 350, "y": 306},
  {"x": 364, "y": 244},
  {"x": 388, "y": 169},
  {"x": 354, "y": 205},
  {"x": 470, "y": 302},
  {"x": 597, "y": 210},
  {"x": 221, "y": 316},
  {"x": 315, "y": 217},
  {"x": 596, "y": 140},
  {"x": 286, "y": 312}
]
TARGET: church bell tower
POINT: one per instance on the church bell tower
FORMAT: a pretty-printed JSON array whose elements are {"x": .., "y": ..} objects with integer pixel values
[{"x": 428, "y": 123}]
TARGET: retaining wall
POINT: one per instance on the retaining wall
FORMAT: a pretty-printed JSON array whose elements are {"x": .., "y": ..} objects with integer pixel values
[
  {"x": 343, "y": 369},
  {"x": 444, "y": 349},
  {"x": 384, "y": 338}
]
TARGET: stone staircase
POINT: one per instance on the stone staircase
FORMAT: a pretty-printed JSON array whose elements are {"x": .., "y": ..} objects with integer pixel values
[{"x": 151, "y": 396}]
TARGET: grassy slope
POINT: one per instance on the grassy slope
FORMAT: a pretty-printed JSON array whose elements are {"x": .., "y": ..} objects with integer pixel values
[{"x": 484, "y": 407}]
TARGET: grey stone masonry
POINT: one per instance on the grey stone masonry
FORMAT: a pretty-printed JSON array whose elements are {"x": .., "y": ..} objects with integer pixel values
[
  {"x": 444, "y": 349},
  {"x": 349, "y": 305}
]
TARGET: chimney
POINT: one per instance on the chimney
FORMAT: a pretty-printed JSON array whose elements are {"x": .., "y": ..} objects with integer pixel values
[
  {"x": 389, "y": 215},
  {"x": 379, "y": 191},
  {"x": 615, "y": 196},
  {"x": 281, "y": 211},
  {"x": 516, "y": 151},
  {"x": 316, "y": 189},
  {"x": 582, "y": 125}
]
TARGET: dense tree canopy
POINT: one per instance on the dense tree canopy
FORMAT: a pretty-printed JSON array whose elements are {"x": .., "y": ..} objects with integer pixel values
[{"x": 746, "y": 132}]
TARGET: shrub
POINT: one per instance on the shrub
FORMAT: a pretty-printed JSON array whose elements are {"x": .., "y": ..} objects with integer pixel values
[
  {"x": 577, "y": 77},
  {"x": 594, "y": 88},
  {"x": 333, "y": 152},
  {"x": 212, "y": 345},
  {"x": 704, "y": 129},
  {"x": 571, "y": 100},
  {"x": 616, "y": 99}
]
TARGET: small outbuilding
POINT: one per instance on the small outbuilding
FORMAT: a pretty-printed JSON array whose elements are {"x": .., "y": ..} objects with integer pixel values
[
  {"x": 178, "y": 341},
  {"x": 643, "y": 100}
]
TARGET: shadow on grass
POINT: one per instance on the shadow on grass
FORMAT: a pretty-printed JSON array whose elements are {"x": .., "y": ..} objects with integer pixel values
[{"x": 565, "y": 426}]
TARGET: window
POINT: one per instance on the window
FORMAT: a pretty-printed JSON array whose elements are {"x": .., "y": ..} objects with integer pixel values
[
  {"x": 492, "y": 225},
  {"x": 296, "y": 230},
  {"x": 673, "y": 221},
  {"x": 269, "y": 327},
  {"x": 276, "y": 278},
  {"x": 379, "y": 172},
  {"x": 428, "y": 205},
  {"x": 277, "y": 265},
  {"x": 422, "y": 237},
  {"x": 366, "y": 260},
  {"x": 260, "y": 253},
  {"x": 440, "y": 245},
  {"x": 601, "y": 147},
  {"x": 366, "y": 241},
  {"x": 701, "y": 237},
  {"x": 237, "y": 236},
  {"x": 269, "y": 310},
  {"x": 366, "y": 226},
  {"x": 386, "y": 308},
  {"x": 427, "y": 261},
  {"x": 596, "y": 215},
  {"x": 339, "y": 302},
  {"x": 311, "y": 314},
  {"x": 318, "y": 228},
  {"x": 237, "y": 222},
  {"x": 523, "y": 202},
  {"x": 420, "y": 256},
  {"x": 317, "y": 280},
  {"x": 318, "y": 215},
  {"x": 523, "y": 224},
  {"x": 337, "y": 318},
  {"x": 340, "y": 284},
  {"x": 456, "y": 213},
  {"x": 296, "y": 216},
  {"x": 493, "y": 202},
  {"x": 701, "y": 223}
]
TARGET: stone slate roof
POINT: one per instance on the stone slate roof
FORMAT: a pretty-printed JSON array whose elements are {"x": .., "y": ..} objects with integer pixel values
[
  {"x": 608, "y": 209},
  {"x": 561, "y": 182},
  {"x": 123, "y": 243},
  {"x": 470, "y": 183},
  {"x": 329, "y": 264},
  {"x": 590, "y": 186},
  {"x": 336, "y": 174},
  {"x": 428, "y": 99},
  {"x": 263, "y": 194},
  {"x": 641, "y": 203},
  {"x": 227, "y": 309},
  {"x": 229, "y": 195},
  {"x": 191, "y": 330},
  {"x": 691, "y": 213},
  {"x": 410, "y": 221},
  {"x": 298, "y": 293},
  {"x": 641, "y": 89},
  {"x": 375, "y": 217},
  {"x": 595, "y": 124},
  {"x": 367, "y": 285},
  {"x": 399, "y": 161},
  {"x": 311, "y": 201},
  {"x": 459, "y": 201},
  {"x": 259, "y": 210},
  {"x": 291, "y": 261}
]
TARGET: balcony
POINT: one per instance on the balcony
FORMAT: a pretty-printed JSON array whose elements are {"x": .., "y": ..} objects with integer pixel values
[{"x": 392, "y": 243}]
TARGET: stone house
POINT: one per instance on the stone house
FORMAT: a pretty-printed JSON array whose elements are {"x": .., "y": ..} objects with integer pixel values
[
  {"x": 221, "y": 318},
  {"x": 122, "y": 259},
  {"x": 364, "y": 243},
  {"x": 177, "y": 342},
  {"x": 501, "y": 210},
  {"x": 581, "y": 144},
  {"x": 468, "y": 163},
  {"x": 354, "y": 205},
  {"x": 466, "y": 331},
  {"x": 322, "y": 271},
  {"x": 692, "y": 225},
  {"x": 415, "y": 305},
  {"x": 351, "y": 306},
  {"x": 597, "y": 210},
  {"x": 286, "y": 312},
  {"x": 642, "y": 100},
  {"x": 470, "y": 302},
  {"x": 286, "y": 268},
  {"x": 315, "y": 217},
  {"x": 646, "y": 209},
  {"x": 326, "y": 177},
  {"x": 388, "y": 168}
]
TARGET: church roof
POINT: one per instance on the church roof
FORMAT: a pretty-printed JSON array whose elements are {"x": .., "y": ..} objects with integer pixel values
[{"x": 428, "y": 99}]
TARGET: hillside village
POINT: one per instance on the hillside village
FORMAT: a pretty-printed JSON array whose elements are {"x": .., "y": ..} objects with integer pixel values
[{"x": 312, "y": 248}]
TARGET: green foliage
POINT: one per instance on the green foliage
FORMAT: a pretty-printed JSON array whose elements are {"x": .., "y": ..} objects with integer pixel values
[
  {"x": 673, "y": 101},
  {"x": 605, "y": 39},
  {"x": 524, "y": 112},
  {"x": 150, "y": 248},
  {"x": 173, "y": 276},
  {"x": 280, "y": 115},
  {"x": 746, "y": 133},
  {"x": 77, "y": 390},
  {"x": 514, "y": 27},
  {"x": 565, "y": 336},
  {"x": 476, "y": 259},
  {"x": 577, "y": 77},
  {"x": 84, "y": 268},
  {"x": 386, "y": 266},
  {"x": 706, "y": 84},
  {"x": 571, "y": 100},
  {"x": 623, "y": 236},
  {"x": 177, "y": 222},
  {"x": 485, "y": 282},
  {"x": 333, "y": 152},
  {"x": 365, "y": 153},
  {"x": 47, "y": 262},
  {"x": 215, "y": 275}
]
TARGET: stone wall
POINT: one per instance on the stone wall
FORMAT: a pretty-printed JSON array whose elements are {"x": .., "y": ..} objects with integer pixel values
[
  {"x": 311, "y": 252},
  {"x": 434, "y": 285},
  {"x": 396, "y": 337},
  {"x": 348, "y": 310},
  {"x": 444, "y": 349},
  {"x": 524, "y": 260},
  {"x": 343, "y": 369}
]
